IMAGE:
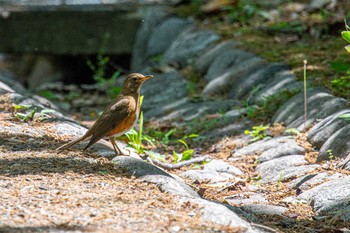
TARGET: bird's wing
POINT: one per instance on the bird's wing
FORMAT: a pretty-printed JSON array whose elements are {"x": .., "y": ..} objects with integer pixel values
[{"x": 112, "y": 116}]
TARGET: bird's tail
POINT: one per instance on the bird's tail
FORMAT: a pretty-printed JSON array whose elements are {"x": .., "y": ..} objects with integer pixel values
[{"x": 69, "y": 144}]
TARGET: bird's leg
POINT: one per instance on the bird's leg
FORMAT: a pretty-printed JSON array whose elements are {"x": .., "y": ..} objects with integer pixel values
[{"x": 115, "y": 147}]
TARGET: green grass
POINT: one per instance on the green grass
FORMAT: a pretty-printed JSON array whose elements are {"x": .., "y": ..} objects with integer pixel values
[
  {"x": 30, "y": 113},
  {"x": 99, "y": 71},
  {"x": 146, "y": 142},
  {"x": 320, "y": 53},
  {"x": 268, "y": 107},
  {"x": 257, "y": 133}
]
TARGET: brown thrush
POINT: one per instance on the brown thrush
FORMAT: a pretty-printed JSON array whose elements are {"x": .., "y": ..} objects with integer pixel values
[{"x": 119, "y": 117}]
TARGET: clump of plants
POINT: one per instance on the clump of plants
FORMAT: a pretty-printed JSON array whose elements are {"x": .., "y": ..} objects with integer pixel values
[
  {"x": 242, "y": 12},
  {"x": 341, "y": 84},
  {"x": 181, "y": 150},
  {"x": 346, "y": 36},
  {"x": 145, "y": 144},
  {"x": 258, "y": 132},
  {"x": 28, "y": 113},
  {"x": 267, "y": 108},
  {"x": 99, "y": 71}
]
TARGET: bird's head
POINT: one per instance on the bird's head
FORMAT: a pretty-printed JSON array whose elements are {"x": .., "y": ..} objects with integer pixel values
[{"x": 133, "y": 82}]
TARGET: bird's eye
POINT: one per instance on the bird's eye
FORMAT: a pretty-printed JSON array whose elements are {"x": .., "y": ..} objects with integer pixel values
[{"x": 134, "y": 79}]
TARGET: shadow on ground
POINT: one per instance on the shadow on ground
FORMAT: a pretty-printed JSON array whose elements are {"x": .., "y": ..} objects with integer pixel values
[{"x": 41, "y": 229}]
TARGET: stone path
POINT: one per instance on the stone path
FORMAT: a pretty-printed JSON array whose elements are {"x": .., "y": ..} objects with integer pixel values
[{"x": 239, "y": 77}]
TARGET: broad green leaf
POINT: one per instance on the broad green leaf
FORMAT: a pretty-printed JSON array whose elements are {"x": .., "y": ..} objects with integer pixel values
[
  {"x": 47, "y": 111},
  {"x": 32, "y": 113},
  {"x": 247, "y": 132},
  {"x": 177, "y": 157},
  {"x": 21, "y": 115},
  {"x": 345, "y": 116},
  {"x": 155, "y": 155},
  {"x": 141, "y": 100},
  {"x": 48, "y": 95},
  {"x": 292, "y": 131},
  {"x": 197, "y": 166},
  {"x": 23, "y": 106},
  {"x": 346, "y": 36},
  {"x": 148, "y": 139},
  {"x": 347, "y": 48},
  {"x": 131, "y": 133},
  {"x": 166, "y": 137},
  {"x": 340, "y": 66},
  {"x": 266, "y": 15},
  {"x": 183, "y": 142},
  {"x": 170, "y": 132},
  {"x": 193, "y": 135},
  {"x": 102, "y": 172},
  {"x": 140, "y": 125},
  {"x": 187, "y": 154}
]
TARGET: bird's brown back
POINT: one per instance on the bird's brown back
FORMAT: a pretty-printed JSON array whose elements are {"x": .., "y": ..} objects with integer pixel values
[
  {"x": 115, "y": 119},
  {"x": 120, "y": 115}
]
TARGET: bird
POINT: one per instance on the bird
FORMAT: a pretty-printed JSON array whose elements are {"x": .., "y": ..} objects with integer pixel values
[{"x": 118, "y": 117}]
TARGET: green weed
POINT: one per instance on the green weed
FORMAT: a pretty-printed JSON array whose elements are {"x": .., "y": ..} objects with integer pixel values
[
  {"x": 167, "y": 138},
  {"x": 187, "y": 153},
  {"x": 99, "y": 71},
  {"x": 268, "y": 107},
  {"x": 136, "y": 139},
  {"x": 195, "y": 83},
  {"x": 242, "y": 12},
  {"x": 196, "y": 5},
  {"x": 257, "y": 162},
  {"x": 340, "y": 66},
  {"x": 257, "y": 133},
  {"x": 48, "y": 95},
  {"x": 193, "y": 9},
  {"x": 201, "y": 125},
  {"x": 23, "y": 106},
  {"x": 305, "y": 94},
  {"x": 342, "y": 85},
  {"x": 293, "y": 26},
  {"x": 256, "y": 178},
  {"x": 292, "y": 131},
  {"x": 251, "y": 110},
  {"x": 345, "y": 116},
  {"x": 280, "y": 178},
  {"x": 163, "y": 137},
  {"x": 156, "y": 58},
  {"x": 31, "y": 113},
  {"x": 346, "y": 36},
  {"x": 330, "y": 154}
]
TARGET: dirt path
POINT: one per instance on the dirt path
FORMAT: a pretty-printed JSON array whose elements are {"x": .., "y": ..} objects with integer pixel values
[{"x": 43, "y": 191}]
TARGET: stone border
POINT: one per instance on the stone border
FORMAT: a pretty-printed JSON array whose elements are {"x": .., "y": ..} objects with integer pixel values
[{"x": 226, "y": 67}]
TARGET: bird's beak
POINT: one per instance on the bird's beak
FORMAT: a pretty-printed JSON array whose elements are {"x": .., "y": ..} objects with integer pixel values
[{"x": 146, "y": 77}]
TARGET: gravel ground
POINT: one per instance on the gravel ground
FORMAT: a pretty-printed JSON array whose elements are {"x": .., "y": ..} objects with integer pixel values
[{"x": 46, "y": 191}]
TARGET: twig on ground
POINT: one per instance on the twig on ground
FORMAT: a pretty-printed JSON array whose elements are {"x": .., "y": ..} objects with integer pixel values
[
  {"x": 176, "y": 165},
  {"x": 305, "y": 95},
  {"x": 269, "y": 229},
  {"x": 229, "y": 186},
  {"x": 343, "y": 164}
]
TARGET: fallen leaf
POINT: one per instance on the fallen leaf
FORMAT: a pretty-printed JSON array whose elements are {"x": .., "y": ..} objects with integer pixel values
[{"x": 217, "y": 5}]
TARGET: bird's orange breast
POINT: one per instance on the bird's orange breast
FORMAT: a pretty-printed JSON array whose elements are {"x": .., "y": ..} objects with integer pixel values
[{"x": 123, "y": 126}]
